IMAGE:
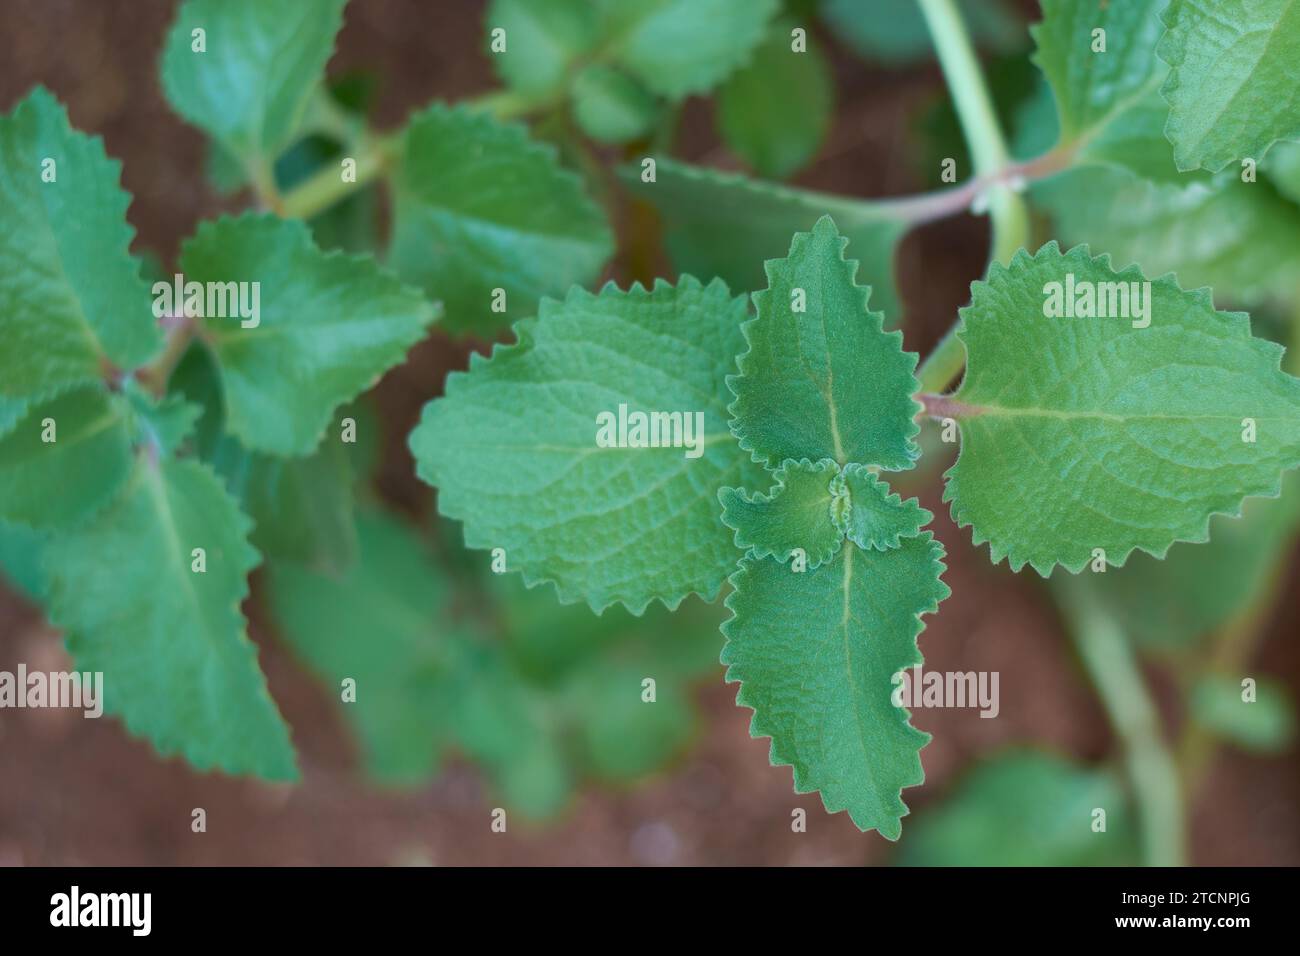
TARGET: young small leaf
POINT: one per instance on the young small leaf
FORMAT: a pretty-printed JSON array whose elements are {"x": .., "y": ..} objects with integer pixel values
[
  {"x": 797, "y": 513},
  {"x": 170, "y": 641},
  {"x": 1231, "y": 87},
  {"x": 478, "y": 206},
  {"x": 251, "y": 83},
  {"x": 543, "y": 39},
  {"x": 612, "y": 107},
  {"x": 775, "y": 111},
  {"x": 872, "y": 516},
  {"x": 72, "y": 303},
  {"x": 1113, "y": 433},
  {"x": 816, "y": 653},
  {"x": 329, "y": 326},
  {"x": 1263, "y": 724},
  {"x": 814, "y": 347},
  {"x": 680, "y": 47},
  {"x": 726, "y": 225},
  {"x": 513, "y": 445},
  {"x": 56, "y": 484}
]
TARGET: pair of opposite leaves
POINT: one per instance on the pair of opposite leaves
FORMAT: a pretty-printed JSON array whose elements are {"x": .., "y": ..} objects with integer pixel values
[{"x": 1081, "y": 434}]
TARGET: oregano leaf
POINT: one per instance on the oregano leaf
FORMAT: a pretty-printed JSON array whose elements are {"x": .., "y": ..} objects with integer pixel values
[
  {"x": 1094, "y": 86},
  {"x": 65, "y": 458},
  {"x": 1089, "y": 437},
  {"x": 680, "y": 47},
  {"x": 478, "y": 206},
  {"x": 1236, "y": 237},
  {"x": 73, "y": 308},
  {"x": 22, "y": 560},
  {"x": 1232, "y": 86},
  {"x": 872, "y": 516},
  {"x": 330, "y": 324},
  {"x": 612, "y": 107},
  {"x": 727, "y": 225},
  {"x": 512, "y": 446},
  {"x": 802, "y": 391},
  {"x": 775, "y": 111},
  {"x": 543, "y": 39},
  {"x": 797, "y": 513},
  {"x": 261, "y": 61},
  {"x": 405, "y": 671},
  {"x": 169, "y": 639},
  {"x": 816, "y": 653}
]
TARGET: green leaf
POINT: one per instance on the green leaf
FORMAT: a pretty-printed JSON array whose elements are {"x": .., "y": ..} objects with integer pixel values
[
  {"x": 725, "y": 225},
  {"x": 1025, "y": 808},
  {"x": 330, "y": 325},
  {"x": 894, "y": 32},
  {"x": 479, "y": 206},
  {"x": 1095, "y": 88},
  {"x": 263, "y": 61},
  {"x": 544, "y": 38},
  {"x": 59, "y": 483},
  {"x": 872, "y": 516},
  {"x": 797, "y": 513},
  {"x": 73, "y": 307},
  {"x": 302, "y": 508},
  {"x": 1087, "y": 433},
  {"x": 816, "y": 653},
  {"x": 1237, "y": 237},
  {"x": 1198, "y": 589},
  {"x": 1262, "y": 724},
  {"x": 1232, "y": 82},
  {"x": 163, "y": 425},
  {"x": 383, "y": 625},
  {"x": 1283, "y": 169},
  {"x": 12, "y": 411},
  {"x": 813, "y": 347},
  {"x": 170, "y": 642},
  {"x": 680, "y": 47},
  {"x": 610, "y": 106},
  {"x": 512, "y": 445},
  {"x": 775, "y": 112},
  {"x": 22, "y": 559}
]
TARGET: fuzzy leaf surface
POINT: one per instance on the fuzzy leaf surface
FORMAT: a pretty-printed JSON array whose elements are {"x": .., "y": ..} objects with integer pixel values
[
  {"x": 1234, "y": 78},
  {"x": 512, "y": 447},
  {"x": 480, "y": 206},
  {"x": 821, "y": 379},
  {"x": 874, "y": 517},
  {"x": 796, "y": 513},
  {"x": 1086, "y": 433},
  {"x": 263, "y": 61},
  {"x": 330, "y": 325},
  {"x": 816, "y": 652},
  {"x": 72, "y": 301},
  {"x": 57, "y": 484},
  {"x": 178, "y": 666}
]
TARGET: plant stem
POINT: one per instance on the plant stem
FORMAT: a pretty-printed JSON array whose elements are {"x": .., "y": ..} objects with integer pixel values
[
  {"x": 979, "y": 123},
  {"x": 1110, "y": 662},
  {"x": 327, "y": 187}
]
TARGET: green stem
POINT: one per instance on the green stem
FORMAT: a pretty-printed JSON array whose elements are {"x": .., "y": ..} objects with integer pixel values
[
  {"x": 327, "y": 187},
  {"x": 988, "y": 148},
  {"x": 1109, "y": 660},
  {"x": 979, "y": 123}
]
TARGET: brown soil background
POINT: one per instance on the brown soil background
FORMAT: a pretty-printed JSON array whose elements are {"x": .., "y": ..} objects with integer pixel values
[{"x": 81, "y": 792}]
